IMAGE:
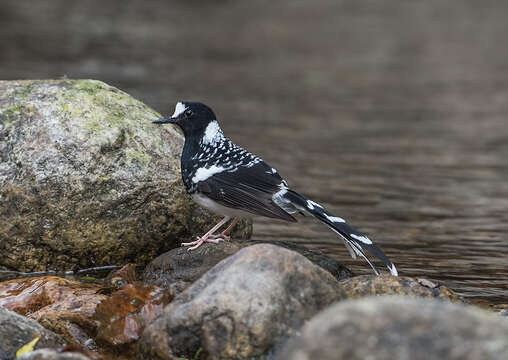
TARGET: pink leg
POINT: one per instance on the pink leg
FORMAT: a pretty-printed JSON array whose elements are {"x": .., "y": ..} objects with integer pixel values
[
  {"x": 224, "y": 235},
  {"x": 206, "y": 237}
]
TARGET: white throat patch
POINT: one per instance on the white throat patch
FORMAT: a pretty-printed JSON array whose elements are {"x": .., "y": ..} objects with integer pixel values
[
  {"x": 179, "y": 108},
  {"x": 213, "y": 133}
]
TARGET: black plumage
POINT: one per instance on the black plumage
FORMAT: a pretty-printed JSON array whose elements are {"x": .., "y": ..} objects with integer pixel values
[{"x": 229, "y": 180}]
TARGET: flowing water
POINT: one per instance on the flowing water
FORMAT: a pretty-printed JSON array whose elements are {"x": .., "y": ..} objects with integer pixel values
[{"x": 394, "y": 115}]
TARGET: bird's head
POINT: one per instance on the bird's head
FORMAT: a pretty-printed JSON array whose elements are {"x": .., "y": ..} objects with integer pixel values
[{"x": 191, "y": 117}]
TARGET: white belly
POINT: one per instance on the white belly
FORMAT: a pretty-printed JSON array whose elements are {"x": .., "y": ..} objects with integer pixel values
[{"x": 217, "y": 208}]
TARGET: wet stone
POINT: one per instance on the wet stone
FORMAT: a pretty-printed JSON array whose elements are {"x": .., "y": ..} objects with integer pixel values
[
  {"x": 123, "y": 316},
  {"x": 242, "y": 307},
  {"x": 123, "y": 276},
  {"x": 100, "y": 319},
  {"x": 17, "y": 331},
  {"x": 51, "y": 354},
  {"x": 179, "y": 268},
  {"x": 62, "y": 305},
  {"x": 395, "y": 327},
  {"x": 372, "y": 285}
]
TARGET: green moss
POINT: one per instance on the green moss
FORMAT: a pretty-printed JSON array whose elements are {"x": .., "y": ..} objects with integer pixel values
[
  {"x": 100, "y": 106},
  {"x": 17, "y": 108},
  {"x": 88, "y": 278},
  {"x": 23, "y": 91},
  {"x": 91, "y": 87},
  {"x": 134, "y": 155},
  {"x": 70, "y": 110},
  {"x": 116, "y": 145},
  {"x": 93, "y": 125},
  {"x": 14, "y": 112}
]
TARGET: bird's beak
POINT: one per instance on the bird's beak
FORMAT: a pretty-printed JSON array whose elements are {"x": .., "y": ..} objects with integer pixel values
[{"x": 170, "y": 120}]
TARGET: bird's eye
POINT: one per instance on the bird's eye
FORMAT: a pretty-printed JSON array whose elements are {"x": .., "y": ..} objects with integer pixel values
[{"x": 188, "y": 112}]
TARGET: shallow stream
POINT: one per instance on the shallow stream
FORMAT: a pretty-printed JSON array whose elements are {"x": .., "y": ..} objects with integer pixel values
[{"x": 393, "y": 115}]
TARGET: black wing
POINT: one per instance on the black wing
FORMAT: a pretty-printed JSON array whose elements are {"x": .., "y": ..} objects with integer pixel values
[{"x": 248, "y": 188}]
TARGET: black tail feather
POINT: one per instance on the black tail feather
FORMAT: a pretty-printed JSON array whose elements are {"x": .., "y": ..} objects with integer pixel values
[{"x": 355, "y": 241}]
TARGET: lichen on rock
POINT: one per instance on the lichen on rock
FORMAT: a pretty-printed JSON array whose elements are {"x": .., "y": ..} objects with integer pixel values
[{"x": 86, "y": 179}]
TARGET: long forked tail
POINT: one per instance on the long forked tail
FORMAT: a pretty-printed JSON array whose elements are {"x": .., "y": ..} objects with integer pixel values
[{"x": 355, "y": 241}]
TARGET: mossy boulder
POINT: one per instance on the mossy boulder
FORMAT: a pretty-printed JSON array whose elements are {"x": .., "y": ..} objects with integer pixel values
[{"x": 86, "y": 179}]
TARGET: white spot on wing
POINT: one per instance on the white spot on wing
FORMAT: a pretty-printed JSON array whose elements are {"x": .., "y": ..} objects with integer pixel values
[
  {"x": 279, "y": 199},
  {"x": 179, "y": 108},
  {"x": 253, "y": 162},
  {"x": 204, "y": 173},
  {"x": 393, "y": 270},
  {"x": 311, "y": 204},
  {"x": 335, "y": 219},
  {"x": 363, "y": 239}
]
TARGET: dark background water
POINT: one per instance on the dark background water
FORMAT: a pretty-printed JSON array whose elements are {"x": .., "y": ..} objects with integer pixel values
[{"x": 393, "y": 114}]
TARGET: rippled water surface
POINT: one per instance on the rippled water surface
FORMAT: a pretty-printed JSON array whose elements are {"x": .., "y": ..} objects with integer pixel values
[{"x": 392, "y": 114}]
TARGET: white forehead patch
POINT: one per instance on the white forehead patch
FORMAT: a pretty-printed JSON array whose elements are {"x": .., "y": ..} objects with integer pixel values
[{"x": 179, "y": 108}]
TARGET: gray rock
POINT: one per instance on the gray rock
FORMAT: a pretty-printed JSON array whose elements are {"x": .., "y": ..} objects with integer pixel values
[
  {"x": 17, "y": 331},
  {"x": 179, "y": 268},
  {"x": 394, "y": 327},
  {"x": 86, "y": 179},
  {"x": 242, "y": 306},
  {"x": 50, "y": 354},
  {"x": 370, "y": 285}
]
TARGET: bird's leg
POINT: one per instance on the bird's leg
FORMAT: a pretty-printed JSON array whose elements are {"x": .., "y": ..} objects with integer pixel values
[
  {"x": 224, "y": 235},
  {"x": 206, "y": 237}
]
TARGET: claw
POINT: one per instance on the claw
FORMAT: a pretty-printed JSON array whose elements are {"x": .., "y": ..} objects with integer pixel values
[
  {"x": 195, "y": 244},
  {"x": 210, "y": 237},
  {"x": 219, "y": 237}
]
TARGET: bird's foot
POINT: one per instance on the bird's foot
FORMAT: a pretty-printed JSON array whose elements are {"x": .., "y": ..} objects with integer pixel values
[
  {"x": 220, "y": 237},
  {"x": 201, "y": 240}
]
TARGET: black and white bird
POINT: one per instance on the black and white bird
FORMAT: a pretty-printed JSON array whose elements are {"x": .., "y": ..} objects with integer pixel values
[{"x": 230, "y": 181}]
